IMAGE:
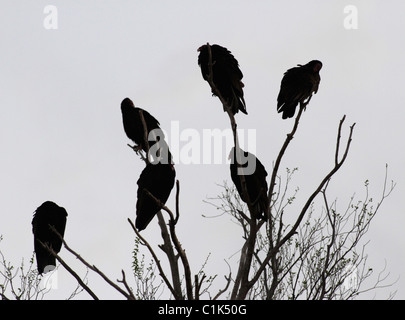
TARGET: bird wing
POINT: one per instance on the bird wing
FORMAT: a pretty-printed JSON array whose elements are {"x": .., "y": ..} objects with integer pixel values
[{"x": 296, "y": 86}]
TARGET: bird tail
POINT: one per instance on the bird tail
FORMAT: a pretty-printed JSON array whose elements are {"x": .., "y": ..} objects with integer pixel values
[
  {"x": 142, "y": 221},
  {"x": 45, "y": 264},
  {"x": 237, "y": 104},
  {"x": 242, "y": 105},
  {"x": 237, "y": 101},
  {"x": 260, "y": 206},
  {"x": 288, "y": 110}
]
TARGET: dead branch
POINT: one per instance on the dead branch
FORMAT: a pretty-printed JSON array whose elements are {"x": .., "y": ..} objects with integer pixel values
[
  {"x": 246, "y": 257},
  {"x": 124, "y": 281},
  {"x": 167, "y": 247},
  {"x": 287, "y": 141},
  {"x": 129, "y": 295},
  {"x": 177, "y": 202},
  {"x": 228, "y": 282},
  {"x": 70, "y": 270},
  {"x": 332, "y": 221},
  {"x": 321, "y": 185},
  {"x": 171, "y": 256},
  {"x": 294, "y": 228},
  {"x": 197, "y": 285},
  {"x": 157, "y": 261},
  {"x": 176, "y": 242}
]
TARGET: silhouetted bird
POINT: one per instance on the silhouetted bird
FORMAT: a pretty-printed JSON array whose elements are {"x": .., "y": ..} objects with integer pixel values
[
  {"x": 255, "y": 176},
  {"x": 226, "y": 75},
  {"x": 133, "y": 125},
  {"x": 158, "y": 179},
  {"x": 48, "y": 213},
  {"x": 297, "y": 85}
]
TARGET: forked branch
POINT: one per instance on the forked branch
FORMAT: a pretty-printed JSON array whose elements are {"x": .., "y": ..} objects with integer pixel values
[
  {"x": 172, "y": 223},
  {"x": 128, "y": 295},
  {"x": 247, "y": 253},
  {"x": 307, "y": 204}
]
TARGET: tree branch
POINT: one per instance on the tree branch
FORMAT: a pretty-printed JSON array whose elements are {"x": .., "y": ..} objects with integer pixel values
[
  {"x": 246, "y": 257},
  {"x": 228, "y": 282},
  {"x": 293, "y": 230},
  {"x": 287, "y": 141},
  {"x": 70, "y": 270},
  {"x": 173, "y": 259},
  {"x": 177, "y": 245},
  {"x": 157, "y": 261},
  {"x": 129, "y": 295}
]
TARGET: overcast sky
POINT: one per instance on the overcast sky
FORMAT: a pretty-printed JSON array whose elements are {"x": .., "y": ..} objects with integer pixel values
[{"x": 61, "y": 134}]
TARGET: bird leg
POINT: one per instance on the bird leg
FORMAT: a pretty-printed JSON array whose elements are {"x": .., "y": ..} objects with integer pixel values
[
  {"x": 138, "y": 150},
  {"x": 303, "y": 104},
  {"x": 135, "y": 147}
]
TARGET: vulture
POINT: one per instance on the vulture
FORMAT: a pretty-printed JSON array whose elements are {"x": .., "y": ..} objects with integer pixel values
[
  {"x": 158, "y": 179},
  {"x": 297, "y": 85},
  {"x": 133, "y": 125},
  {"x": 226, "y": 75},
  {"x": 255, "y": 174},
  {"x": 48, "y": 213}
]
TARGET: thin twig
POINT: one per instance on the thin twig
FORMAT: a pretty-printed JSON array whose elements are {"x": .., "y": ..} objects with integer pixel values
[
  {"x": 173, "y": 259},
  {"x": 332, "y": 221},
  {"x": 124, "y": 282},
  {"x": 157, "y": 261},
  {"x": 128, "y": 295},
  {"x": 70, "y": 270},
  {"x": 177, "y": 202},
  {"x": 197, "y": 285},
  {"x": 177, "y": 245},
  {"x": 287, "y": 141},
  {"x": 228, "y": 282},
  {"x": 307, "y": 204}
]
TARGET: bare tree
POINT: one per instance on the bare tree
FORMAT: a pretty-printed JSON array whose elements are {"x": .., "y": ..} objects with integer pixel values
[
  {"x": 261, "y": 258},
  {"x": 313, "y": 256},
  {"x": 18, "y": 283},
  {"x": 24, "y": 282},
  {"x": 325, "y": 258}
]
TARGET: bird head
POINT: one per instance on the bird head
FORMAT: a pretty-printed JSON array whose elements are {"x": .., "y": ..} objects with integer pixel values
[
  {"x": 202, "y": 48},
  {"x": 127, "y": 102},
  {"x": 315, "y": 65}
]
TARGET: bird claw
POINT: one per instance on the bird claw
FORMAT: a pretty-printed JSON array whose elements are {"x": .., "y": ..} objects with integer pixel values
[{"x": 135, "y": 147}]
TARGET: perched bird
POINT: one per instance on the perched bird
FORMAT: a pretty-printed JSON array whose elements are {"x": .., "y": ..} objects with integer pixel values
[
  {"x": 48, "y": 213},
  {"x": 133, "y": 125},
  {"x": 226, "y": 75},
  {"x": 246, "y": 164},
  {"x": 158, "y": 179},
  {"x": 297, "y": 85}
]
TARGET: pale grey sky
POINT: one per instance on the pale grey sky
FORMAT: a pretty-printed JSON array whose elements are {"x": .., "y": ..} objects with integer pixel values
[{"x": 61, "y": 134}]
